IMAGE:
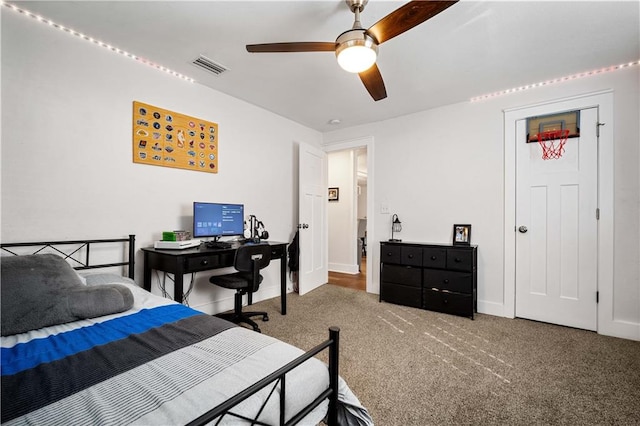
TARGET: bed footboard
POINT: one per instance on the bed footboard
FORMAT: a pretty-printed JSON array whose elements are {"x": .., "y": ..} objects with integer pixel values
[{"x": 277, "y": 377}]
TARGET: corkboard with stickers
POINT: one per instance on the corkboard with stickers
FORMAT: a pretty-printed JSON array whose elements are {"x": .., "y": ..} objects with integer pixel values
[{"x": 167, "y": 138}]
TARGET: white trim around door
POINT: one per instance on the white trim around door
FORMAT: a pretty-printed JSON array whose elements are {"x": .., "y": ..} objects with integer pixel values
[
  {"x": 367, "y": 142},
  {"x": 606, "y": 323}
]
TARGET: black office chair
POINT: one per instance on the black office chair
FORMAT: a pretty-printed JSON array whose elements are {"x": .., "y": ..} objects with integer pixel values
[{"x": 249, "y": 259}]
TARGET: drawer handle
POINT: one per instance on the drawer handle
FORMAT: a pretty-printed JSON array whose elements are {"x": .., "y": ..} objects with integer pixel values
[
  {"x": 434, "y": 257},
  {"x": 388, "y": 253},
  {"x": 410, "y": 256},
  {"x": 205, "y": 262},
  {"x": 446, "y": 281},
  {"x": 458, "y": 259}
]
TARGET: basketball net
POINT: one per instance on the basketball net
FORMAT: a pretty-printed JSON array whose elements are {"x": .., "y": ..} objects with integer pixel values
[{"x": 552, "y": 143}]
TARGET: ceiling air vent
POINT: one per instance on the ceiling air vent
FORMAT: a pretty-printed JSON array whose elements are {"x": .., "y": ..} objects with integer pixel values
[{"x": 208, "y": 65}]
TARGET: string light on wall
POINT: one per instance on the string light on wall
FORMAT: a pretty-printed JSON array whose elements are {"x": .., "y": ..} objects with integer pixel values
[
  {"x": 96, "y": 41},
  {"x": 555, "y": 81}
]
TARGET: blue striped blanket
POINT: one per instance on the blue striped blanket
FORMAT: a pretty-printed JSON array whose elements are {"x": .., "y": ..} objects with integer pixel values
[{"x": 158, "y": 363}]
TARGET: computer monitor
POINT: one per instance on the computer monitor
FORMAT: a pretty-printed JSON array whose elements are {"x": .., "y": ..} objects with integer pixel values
[{"x": 217, "y": 220}]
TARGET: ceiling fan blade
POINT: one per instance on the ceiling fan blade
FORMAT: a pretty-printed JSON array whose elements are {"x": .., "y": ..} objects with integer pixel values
[
  {"x": 373, "y": 82},
  {"x": 406, "y": 17},
  {"x": 307, "y": 46}
]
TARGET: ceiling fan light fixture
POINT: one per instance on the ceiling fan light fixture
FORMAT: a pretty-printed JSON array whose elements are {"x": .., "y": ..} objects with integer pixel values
[{"x": 356, "y": 51}]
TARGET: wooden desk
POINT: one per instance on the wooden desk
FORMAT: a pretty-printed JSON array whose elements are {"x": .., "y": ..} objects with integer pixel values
[{"x": 181, "y": 262}]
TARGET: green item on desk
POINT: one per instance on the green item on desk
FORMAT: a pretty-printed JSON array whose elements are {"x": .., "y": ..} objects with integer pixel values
[{"x": 168, "y": 236}]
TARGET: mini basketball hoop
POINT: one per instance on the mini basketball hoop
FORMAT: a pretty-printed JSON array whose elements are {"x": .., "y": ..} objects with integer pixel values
[{"x": 552, "y": 143}]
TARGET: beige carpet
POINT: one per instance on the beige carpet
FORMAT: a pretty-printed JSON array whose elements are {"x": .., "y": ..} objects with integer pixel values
[{"x": 415, "y": 367}]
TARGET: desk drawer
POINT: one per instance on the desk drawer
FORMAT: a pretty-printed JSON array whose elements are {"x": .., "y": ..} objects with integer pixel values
[
  {"x": 278, "y": 251},
  {"x": 206, "y": 262}
]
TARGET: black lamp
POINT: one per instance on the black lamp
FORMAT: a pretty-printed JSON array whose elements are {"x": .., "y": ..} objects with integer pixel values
[{"x": 396, "y": 226}]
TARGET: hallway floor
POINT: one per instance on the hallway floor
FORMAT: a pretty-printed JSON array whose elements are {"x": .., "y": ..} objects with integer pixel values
[{"x": 354, "y": 281}]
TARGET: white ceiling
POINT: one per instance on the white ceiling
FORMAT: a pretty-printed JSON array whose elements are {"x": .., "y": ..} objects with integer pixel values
[{"x": 470, "y": 49}]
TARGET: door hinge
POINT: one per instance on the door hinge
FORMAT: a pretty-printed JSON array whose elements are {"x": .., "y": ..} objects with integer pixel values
[
  {"x": 597, "y": 214},
  {"x": 597, "y": 297}
]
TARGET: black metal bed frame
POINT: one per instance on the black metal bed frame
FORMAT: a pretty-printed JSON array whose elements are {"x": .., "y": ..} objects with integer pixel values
[
  {"x": 81, "y": 264},
  {"x": 276, "y": 378}
]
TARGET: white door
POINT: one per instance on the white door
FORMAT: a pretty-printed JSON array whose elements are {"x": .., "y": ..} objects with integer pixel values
[
  {"x": 313, "y": 218},
  {"x": 556, "y": 255}
]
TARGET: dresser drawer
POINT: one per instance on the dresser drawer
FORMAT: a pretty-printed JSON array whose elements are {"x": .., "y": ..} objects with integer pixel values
[
  {"x": 459, "y": 282},
  {"x": 450, "y": 303},
  {"x": 460, "y": 260},
  {"x": 405, "y": 275},
  {"x": 434, "y": 257},
  {"x": 411, "y": 256},
  {"x": 401, "y": 294},
  {"x": 389, "y": 253}
]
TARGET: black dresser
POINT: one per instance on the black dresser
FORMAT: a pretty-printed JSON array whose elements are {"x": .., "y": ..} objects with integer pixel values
[{"x": 436, "y": 277}]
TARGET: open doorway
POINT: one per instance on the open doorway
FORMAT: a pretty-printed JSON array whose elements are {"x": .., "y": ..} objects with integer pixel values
[{"x": 347, "y": 217}]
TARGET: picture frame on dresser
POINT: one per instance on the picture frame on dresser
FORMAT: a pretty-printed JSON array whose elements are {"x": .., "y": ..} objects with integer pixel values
[{"x": 461, "y": 235}]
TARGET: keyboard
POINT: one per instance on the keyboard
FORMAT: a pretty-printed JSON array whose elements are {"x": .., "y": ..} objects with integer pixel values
[{"x": 218, "y": 244}]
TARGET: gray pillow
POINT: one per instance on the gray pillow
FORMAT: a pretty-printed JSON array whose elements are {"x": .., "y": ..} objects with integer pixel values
[{"x": 43, "y": 289}]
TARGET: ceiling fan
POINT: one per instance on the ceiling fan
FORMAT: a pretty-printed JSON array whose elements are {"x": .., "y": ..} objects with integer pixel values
[{"x": 357, "y": 49}]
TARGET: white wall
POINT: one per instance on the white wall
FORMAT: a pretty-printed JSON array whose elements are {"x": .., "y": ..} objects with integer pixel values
[
  {"x": 342, "y": 213},
  {"x": 446, "y": 165},
  {"x": 67, "y": 169}
]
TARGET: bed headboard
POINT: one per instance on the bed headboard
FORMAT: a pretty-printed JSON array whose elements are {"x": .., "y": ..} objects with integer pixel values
[{"x": 77, "y": 252}]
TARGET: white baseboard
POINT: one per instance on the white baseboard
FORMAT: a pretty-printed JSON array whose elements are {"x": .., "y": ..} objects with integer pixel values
[
  {"x": 615, "y": 328},
  {"x": 344, "y": 268},
  {"x": 216, "y": 306},
  {"x": 623, "y": 329},
  {"x": 226, "y": 303},
  {"x": 491, "y": 308}
]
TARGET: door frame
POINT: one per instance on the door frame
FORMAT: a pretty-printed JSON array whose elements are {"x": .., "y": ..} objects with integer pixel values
[
  {"x": 602, "y": 100},
  {"x": 363, "y": 142}
]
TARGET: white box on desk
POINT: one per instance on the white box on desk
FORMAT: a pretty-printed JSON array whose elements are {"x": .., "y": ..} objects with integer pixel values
[{"x": 176, "y": 245}]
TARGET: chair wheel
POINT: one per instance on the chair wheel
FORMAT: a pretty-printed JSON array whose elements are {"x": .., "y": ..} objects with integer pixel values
[{"x": 265, "y": 317}]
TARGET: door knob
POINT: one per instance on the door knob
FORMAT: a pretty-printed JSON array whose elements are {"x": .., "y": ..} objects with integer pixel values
[{"x": 523, "y": 229}]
